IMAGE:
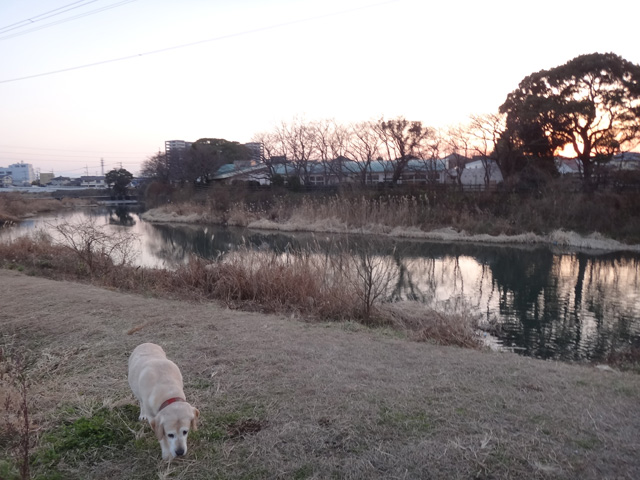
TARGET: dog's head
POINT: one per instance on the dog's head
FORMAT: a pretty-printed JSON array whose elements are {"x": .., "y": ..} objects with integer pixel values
[{"x": 172, "y": 426}]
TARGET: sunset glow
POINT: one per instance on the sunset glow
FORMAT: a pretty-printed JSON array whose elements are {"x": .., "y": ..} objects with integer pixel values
[{"x": 132, "y": 76}]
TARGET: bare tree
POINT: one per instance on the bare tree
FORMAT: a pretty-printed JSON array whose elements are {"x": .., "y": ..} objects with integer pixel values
[
  {"x": 372, "y": 275},
  {"x": 165, "y": 168},
  {"x": 369, "y": 276},
  {"x": 273, "y": 154},
  {"x": 431, "y": 163},
  {"x": 97, "y": 248},
  {"x": 402, "y": 140},
  {"x": 486, "y": 130},
  {"x": 459, "y": 149},
  {"x": 363, "y": 148},
  {"x": 297, "y": 139},
  {"x": 331, "y": 147}
]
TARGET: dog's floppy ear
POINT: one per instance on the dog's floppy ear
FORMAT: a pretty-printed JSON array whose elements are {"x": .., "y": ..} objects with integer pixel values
[
  {"x": 194, "y": 420},
  {"x": 157, "y": 428}
]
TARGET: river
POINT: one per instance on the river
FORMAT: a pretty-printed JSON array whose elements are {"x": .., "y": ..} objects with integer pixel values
[{"x": 536, "y": 300}]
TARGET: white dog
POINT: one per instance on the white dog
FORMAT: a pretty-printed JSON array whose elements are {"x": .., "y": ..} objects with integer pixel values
[{"x": 157, "y": 384}]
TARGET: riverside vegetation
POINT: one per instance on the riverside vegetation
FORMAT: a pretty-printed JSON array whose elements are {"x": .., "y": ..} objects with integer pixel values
[
  {"x": 17, "y": 206},
  {"x": 507, "y": 212},
  {"x": 347, "y": 287}
]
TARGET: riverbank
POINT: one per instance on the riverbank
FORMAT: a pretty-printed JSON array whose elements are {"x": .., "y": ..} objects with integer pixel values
[
  {"x": 283, "y": 399},
  {"x": 16, "y": 206},
  {"x": 300, "y": 223},
  {"x": 543, "y": 215}
]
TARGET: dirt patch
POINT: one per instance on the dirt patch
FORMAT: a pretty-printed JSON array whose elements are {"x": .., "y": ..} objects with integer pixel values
[{"x": 281, "y": 398}]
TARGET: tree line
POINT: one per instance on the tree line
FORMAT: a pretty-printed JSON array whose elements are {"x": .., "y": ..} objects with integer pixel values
[
  {"x": 589, "y": 106},
  {"x": 301, "y": 145}
]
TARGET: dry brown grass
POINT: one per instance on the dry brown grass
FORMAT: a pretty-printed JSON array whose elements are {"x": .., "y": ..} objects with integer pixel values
[
  {"x": 282, "y": 399},
  {"x": 553, "y": 206},
  {"x": 338, "y": 287},
  {"x": 15, "y": 206},
  {"x": 344, "y": 287},
  {"x": 15, "y": 407},
  {"x": 454, "y": 328}
]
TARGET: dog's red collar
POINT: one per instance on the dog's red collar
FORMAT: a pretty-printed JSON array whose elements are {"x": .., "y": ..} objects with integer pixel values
[{"x": 166, "y": 403}]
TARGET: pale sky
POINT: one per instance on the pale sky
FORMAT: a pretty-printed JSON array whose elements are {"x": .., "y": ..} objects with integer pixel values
[{"x": 248, "y": 65}]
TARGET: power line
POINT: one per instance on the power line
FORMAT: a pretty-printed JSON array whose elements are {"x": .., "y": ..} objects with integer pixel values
[
  {"x": 44, "y": 15},
  {"x": 101, "y": 152},
  {"x": 86, "y": 14},
  {"x": 208, "y": 40},
  {"x": 58, "y": 155},
  {"x": 66, "y": 162}
]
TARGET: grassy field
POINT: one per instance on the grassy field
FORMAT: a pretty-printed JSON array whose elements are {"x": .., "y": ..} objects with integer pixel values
[{"x": 291, "y": 399}]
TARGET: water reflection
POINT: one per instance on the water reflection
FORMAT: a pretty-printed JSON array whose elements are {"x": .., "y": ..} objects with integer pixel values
[
  {"x": 121, "y": 216},
  {"x": 540, "y": 301}
]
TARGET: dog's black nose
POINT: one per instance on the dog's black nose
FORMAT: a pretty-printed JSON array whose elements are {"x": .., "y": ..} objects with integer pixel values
[{"x": 179, "y": 452}]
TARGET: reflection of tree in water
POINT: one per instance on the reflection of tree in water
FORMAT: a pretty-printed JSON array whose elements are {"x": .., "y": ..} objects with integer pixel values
[
  {"x": 176, "y": 243},
  {"x": 562, "y": 306},
  {"x": 553, "y": 305},
  {"x": 420, "y": 278},
  {"x": 405, "y": 288},
  {"x": 603, "y": 282},
  {"x": 522, "y": 278},
  {"x": 121, "y": 216}
]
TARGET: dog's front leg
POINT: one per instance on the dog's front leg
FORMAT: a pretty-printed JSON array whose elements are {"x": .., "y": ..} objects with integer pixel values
[
  {"x": 166, "y": 452},
  {"x": 144, "y": 412}
]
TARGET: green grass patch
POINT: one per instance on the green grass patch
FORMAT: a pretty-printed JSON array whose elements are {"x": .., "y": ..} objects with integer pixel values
[
  {"x": 8, "y": 470},
  {"x": 306, "y": 471},
  {"x": 414, "y": 421},
  {"x": 587, "y": 443},
  {"x": 104, "y": 434}
]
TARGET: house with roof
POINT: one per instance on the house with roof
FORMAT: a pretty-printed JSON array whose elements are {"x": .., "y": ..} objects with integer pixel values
[
  {"x": 5, "y": 180},
  {"x": 60, "y": 181},
  {"x": 477, "y": 172},
  {"x": 243, "y": 172},
  {"x": 339, "y": 171},
  {"x": 621, "y": 161},
  {"x": 626, "y": 161},
  {"x": 568, "y": 166},
  {"x": 93, "y": 181}
]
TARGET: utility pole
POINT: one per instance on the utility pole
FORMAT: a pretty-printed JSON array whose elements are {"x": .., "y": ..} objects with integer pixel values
[{"x": 102, "y": 166}]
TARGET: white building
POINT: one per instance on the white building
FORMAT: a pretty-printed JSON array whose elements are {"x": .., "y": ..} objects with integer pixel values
[
  {"x": 626, "y": 161},
  {"x": 569, "y": 166},
  {"x": 476, "y": 173},
  {"x": 176, "y": 149},
  {"x": 93, "y": 181},
  {"x": 21, "y": 173}
]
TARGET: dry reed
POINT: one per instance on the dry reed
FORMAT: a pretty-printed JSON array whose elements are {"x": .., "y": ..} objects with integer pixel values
[
  {"x": 453, "y": 328},
  {"x": 14, "y": 206},
  {"x": 344, "y": 287},
  {"x": 15, "y": 423},
  {"x": 556, "y": 205}
]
